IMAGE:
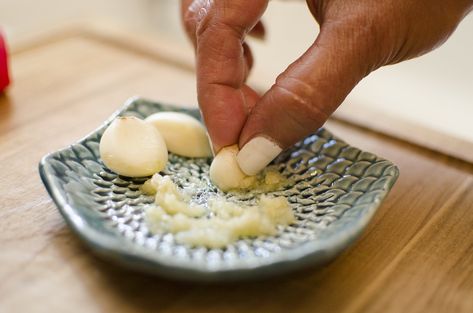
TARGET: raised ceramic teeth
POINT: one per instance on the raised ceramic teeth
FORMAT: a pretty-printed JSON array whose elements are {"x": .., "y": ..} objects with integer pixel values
[
  {"x": 132, "y": 147},
  {"x": 183, "y": 134}
]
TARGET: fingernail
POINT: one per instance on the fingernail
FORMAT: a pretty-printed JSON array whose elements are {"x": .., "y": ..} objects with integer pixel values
[{"x": 256, "y": 154}]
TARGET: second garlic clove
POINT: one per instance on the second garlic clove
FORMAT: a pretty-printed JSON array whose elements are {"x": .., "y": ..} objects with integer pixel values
[{"x": 184, "y": 135}]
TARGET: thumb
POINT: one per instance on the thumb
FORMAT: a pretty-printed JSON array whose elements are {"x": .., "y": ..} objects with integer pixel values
[{"x": 304, "y": 96}]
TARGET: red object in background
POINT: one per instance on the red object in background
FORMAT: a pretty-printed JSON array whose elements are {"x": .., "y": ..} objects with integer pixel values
[{"x": 4, "y": 78}]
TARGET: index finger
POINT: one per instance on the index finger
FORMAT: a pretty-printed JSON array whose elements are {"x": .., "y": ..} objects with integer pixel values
[{"x": 222, "y": 66}]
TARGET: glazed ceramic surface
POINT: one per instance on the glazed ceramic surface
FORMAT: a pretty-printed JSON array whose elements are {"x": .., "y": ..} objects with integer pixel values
[{"x": 335, "y": 190}]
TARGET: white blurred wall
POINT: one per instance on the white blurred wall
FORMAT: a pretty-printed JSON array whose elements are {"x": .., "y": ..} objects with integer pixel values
[{"x": 25, "y": 19}]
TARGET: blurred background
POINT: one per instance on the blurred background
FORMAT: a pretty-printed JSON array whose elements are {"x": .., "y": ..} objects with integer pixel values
[{"x": 428, "y": 100}]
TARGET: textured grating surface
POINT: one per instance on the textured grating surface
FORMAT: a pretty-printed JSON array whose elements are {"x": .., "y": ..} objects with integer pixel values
[{"x": 335, "y": 190}]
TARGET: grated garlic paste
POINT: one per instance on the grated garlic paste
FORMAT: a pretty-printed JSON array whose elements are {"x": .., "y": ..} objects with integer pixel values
[{"x": 219, "y": 223}]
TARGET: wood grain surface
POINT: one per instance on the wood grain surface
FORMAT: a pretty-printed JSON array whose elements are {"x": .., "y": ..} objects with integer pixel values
[{"x": 415, "y": 256}]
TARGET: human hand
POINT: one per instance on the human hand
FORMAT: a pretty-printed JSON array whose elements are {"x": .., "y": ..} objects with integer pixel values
[{"x": 356, "y": 37}]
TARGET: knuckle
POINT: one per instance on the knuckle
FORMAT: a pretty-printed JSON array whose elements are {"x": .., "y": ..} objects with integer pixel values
[{"x": 301, "y": 97}]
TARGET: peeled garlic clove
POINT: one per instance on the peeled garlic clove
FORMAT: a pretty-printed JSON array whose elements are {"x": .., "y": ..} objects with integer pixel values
[
  {"x": 132, "y": 147},
  {"x": 225, "y": 171},
  {"x": 184, "y": 135}
]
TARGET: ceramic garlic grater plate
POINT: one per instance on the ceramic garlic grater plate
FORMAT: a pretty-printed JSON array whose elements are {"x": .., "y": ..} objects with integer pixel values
[{"x": 336, "y": 190}]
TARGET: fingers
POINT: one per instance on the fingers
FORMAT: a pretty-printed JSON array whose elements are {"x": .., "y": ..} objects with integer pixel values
[
  {"x": 258, "y": 31},
  {"x": 218, "y": 29},
  {"x": 304, "y": 96}
]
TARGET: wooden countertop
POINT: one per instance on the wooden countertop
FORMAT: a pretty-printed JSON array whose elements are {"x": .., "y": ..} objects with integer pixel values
[{"x": 415, "y": 256}]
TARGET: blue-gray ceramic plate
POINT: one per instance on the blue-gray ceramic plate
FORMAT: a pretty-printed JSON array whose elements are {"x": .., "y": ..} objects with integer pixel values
[{"x": 336, "y": 190}]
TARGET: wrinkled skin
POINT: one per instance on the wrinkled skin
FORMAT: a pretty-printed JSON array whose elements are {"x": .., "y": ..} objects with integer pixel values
[{"x": 356, "y": 37}]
